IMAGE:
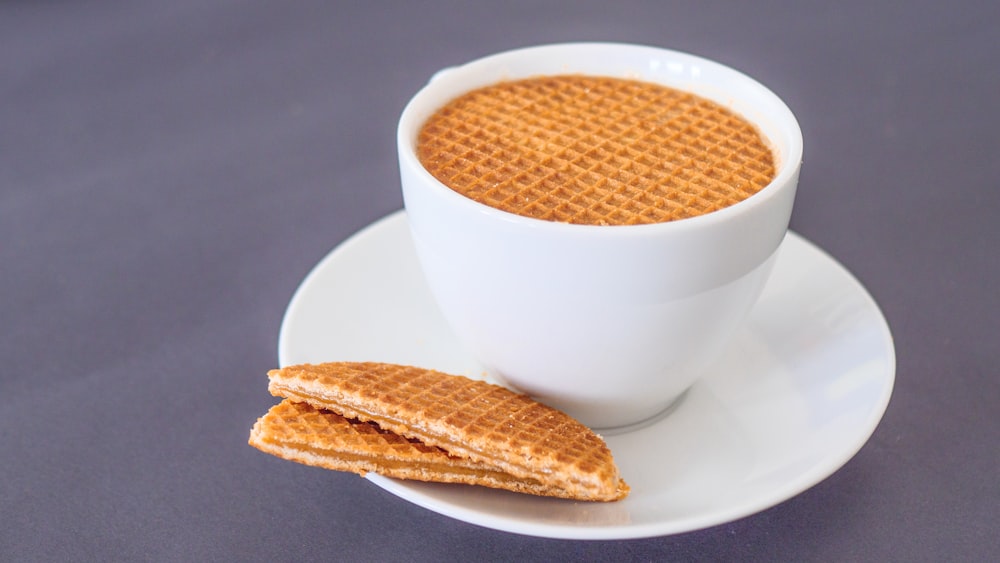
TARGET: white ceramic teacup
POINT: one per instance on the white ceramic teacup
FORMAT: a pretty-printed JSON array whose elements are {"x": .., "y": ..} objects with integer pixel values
[{"x": 609, "y": 323}]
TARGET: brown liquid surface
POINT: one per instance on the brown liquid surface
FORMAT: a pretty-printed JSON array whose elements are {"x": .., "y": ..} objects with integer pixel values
[{"x": 595, "y": 150}]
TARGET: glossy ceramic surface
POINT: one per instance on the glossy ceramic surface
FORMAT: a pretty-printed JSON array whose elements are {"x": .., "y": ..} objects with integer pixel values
[{"x": 795, "y": 396}]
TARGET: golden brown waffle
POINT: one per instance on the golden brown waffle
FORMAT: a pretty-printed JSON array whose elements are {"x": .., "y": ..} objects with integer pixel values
[
  {"x": 594, "y": 150},
  {"x": 472, "y": 419},
  {"x": 300, "y": 432}
]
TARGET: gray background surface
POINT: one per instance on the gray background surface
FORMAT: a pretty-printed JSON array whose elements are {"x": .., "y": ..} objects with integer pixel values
[{"x": 169, "y": 172}]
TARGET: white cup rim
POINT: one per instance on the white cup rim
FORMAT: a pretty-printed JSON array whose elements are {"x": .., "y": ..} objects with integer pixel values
[{"x": 789, "y": 163}]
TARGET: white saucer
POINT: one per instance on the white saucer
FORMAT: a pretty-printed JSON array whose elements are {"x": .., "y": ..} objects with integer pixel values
[{"x": 796, "y": 396}]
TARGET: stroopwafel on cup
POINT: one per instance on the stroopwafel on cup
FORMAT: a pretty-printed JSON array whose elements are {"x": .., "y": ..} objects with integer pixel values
[{"x": 595, "y": 150}]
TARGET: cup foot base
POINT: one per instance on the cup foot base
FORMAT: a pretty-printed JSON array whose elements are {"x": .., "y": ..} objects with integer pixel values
[{"x": 625, "y": 429}]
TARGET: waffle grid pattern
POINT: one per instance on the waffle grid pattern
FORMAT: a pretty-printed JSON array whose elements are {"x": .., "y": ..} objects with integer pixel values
[
  {"x": 594, "y": 150},
  {"x": 305, "y": 434},
  {"x": 484, "y": 416},
  {"x": 300, "y": 424}
]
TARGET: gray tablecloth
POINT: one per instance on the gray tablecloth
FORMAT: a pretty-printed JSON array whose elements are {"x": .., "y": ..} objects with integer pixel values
[{"x": 169, "y": 172}]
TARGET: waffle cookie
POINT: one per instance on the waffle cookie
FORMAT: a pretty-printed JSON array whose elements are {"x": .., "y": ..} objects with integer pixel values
[
  {"x": 472, "y": 420},
  {"x": 595, "y": 150},
  {"x": 302, "y": 433}
]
